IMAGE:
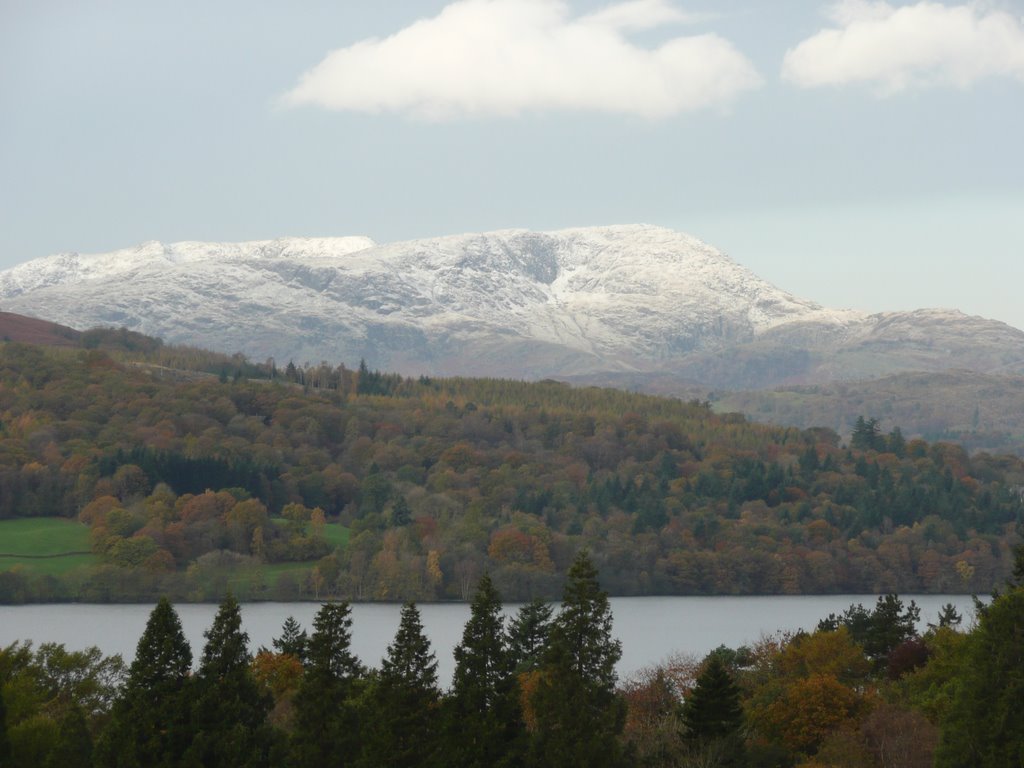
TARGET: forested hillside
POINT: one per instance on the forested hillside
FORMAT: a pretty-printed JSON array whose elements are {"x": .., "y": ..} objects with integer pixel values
[{"x": 381, "y": 487}]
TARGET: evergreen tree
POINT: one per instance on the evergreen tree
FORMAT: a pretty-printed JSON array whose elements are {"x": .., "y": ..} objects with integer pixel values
[
  {"x": 896, "y": 443},
  {"x": 401, "y": 514},
  {"x": 150, "y": 720},
  {"x": 293, "y": 640},
  {"x": 229, "y": 717},
  {"x": 528, "y": 633},
  {"x": 711, "y": 714},
  {"x": 1017, "y": 577},
  {"x": 984, "y": 725},
  {"x": 577, "y": 713},
  {"x": 948, "y": 617},
  {"x": 405, "y": 700},
  {"x": 878, "y": 631},
  {"x": 484, "y": 721},
  {"x": 891, "y": 625},
  {"x": 326, "y": 726},
  {"x": 866, "y": 434}
]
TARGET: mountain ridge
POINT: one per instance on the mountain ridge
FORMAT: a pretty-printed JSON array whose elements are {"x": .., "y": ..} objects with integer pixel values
[{"x": 578, "y": 302}]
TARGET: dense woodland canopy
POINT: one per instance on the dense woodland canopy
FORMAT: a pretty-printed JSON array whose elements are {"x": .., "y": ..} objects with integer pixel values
[
  {"x": 864, "y": 690},
  {"x": 187, "y": 478}
]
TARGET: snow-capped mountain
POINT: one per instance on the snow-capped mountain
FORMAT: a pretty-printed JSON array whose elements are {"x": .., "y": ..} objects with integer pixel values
[{"x": 589, "y": 302}]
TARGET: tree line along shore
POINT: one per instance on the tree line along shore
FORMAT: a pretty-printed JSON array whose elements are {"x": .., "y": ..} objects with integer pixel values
[{"x": 864, "y": 689}]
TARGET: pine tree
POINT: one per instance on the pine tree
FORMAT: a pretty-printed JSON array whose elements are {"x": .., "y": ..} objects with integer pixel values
[
  {"x": 891, "y": 624},
  {"x": 484, "y": 722},
  {"x": 712, "y": 710},
  {"x": 150, "y": 721},
  {"x": 326, "y": 725},
  {"x": 405, "y": 700},
  {"x": 712, "y": 715},
  {"x": 866, "y": 434},
  {"x": 528, "y": 633},
  {"x": 293, "y": 640},
  {"x": 401, "y": 514},
  {"x": 229, "y": 717},
  {"x": 896, "y": 443},
  {"x": 577, "y": 713},
  {"x": 948, "y": 617}
]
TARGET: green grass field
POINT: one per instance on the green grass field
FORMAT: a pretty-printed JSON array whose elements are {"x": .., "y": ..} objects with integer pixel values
[
  {"x": 261, "y": 580},
  {"x": 44, "y": 545},
  {"x": 54, "y": 546},
  {"x": 42, "y": 536},
  {"x": 335, "y": 535},
  {"x": 48, "y": 566}
]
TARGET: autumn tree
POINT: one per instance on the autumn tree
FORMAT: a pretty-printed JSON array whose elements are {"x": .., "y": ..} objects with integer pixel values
[{"x": 806, "y": 689}]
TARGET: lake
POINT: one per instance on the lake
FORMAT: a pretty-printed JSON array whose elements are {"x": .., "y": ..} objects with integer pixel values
[{"x": 650, "y": 628}]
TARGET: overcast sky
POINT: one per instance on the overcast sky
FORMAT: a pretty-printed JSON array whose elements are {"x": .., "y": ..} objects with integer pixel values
[{"x": 862, "y": 154}]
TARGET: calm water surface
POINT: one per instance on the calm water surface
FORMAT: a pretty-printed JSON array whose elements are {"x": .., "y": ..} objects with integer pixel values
[{"x": 650, "y": 628}]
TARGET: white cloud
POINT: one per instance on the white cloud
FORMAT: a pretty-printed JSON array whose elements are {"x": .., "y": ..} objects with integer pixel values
[
  {"x": 505, "y": 57},
  {"x": 898, "y": 47}
]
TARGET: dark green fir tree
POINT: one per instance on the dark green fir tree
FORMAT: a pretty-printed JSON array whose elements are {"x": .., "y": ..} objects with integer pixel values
[
  {"x": 948, "y": 617},
  {"x": 229, "y": 716},
  {"x": 404, "y": 703},
  {"x": 150, "y": 721},
  {"x": 712, "y": 716},
  {"x": 327, "y": 727},
  {"x": 293, "y": 640},
  {"x": 528, "y": 633},
  {"x": 577, "y": 713},
  {"x": 484, "y": 722}
]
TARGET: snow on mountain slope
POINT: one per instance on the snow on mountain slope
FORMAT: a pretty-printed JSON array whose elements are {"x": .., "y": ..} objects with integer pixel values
[
  {"x": 608, "y": 296},
  {"x": 63, "y": 268},
  {"x": 575, "y": 302}
]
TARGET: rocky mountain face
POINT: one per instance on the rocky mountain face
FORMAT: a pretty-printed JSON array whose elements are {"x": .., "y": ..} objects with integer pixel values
[{"x": 621, "y": 304}]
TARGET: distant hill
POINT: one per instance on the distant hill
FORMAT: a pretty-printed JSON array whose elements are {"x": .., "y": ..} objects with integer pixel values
[
  {"x": 32, "y": 330},
  {"x": 984, "y": 412}
]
